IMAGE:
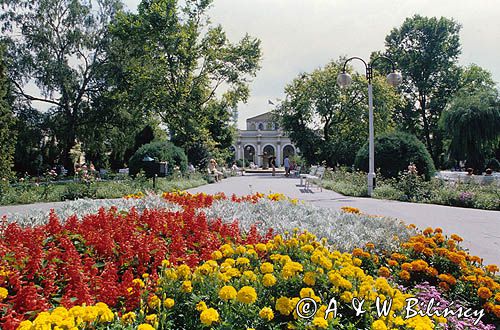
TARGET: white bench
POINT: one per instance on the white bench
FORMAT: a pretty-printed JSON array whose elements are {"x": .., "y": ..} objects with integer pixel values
[
  {"x": 320, "y": 171},
  {"x": 304, "y": 176}
]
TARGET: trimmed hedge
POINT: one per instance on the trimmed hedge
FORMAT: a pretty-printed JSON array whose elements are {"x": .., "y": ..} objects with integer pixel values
[
  {"x": 161, "y": 151},
  {"x": 394, "y": 152}
]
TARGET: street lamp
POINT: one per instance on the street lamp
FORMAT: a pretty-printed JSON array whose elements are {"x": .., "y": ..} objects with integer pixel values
[{"x": 394, "y": 78}]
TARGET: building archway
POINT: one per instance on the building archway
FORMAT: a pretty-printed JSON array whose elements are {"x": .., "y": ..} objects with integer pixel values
[
  {"x": 249, "y": 153},
  {"x": 289, "y": 151},
  {"x": 269, "y": 150}
]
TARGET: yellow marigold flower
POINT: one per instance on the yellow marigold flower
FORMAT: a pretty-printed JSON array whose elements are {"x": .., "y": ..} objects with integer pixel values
[
  {"x": 183, "y": 271},
  {"x": 25, "y": 325},
  {"x": 233, "y": 272},
  {"x": 241, "y": 249},
  {"x": 209, "y": 316},
  {"x": 230, "y": 261},
  {"x": 384, "y": 272},
  {"x": 3, "y": 293},
  {"x": 227, "y": 293},
  {"x": 456, "y": 238},
  {"x": 320, "y": 322},
  {"x": 247, "y": 295},
  {"x": 145, "y": 275},
  {"x": 139, "y": 282},
  {"x": 216, "y": 255},
  {"x": 379, "y": 325},
  {"x": 242, "y": 261},
  {"x": 284, "y": 306},
  {"x": 145, "y": 326},
  {"x": 347, "y": 297},
  {"x": 404, "y": 275},
  {"x": 106, "y": 315},
  {"x": 249, "y": 275},
  {"x": 261, "y": 247},
  {"x": 492, "y": 268},
  {"x": 349, "y": 209},
  {"x": 169, "y": 303},
  {"x": 266, "y": 313},
  {"x": 186, "y": 287},
  {"x": 201, "y": 306},
  {"x": 152, "y": 318},
  {"x": 170, "y": 274},
  {"x": 427, "y": 231},
  {"x": 129, "y": 318},
  {"x": 165, "y": 263},
  {"x": 266, "y": 267},
  {"x": 268, "y": 280},
  {"x": 290, "y": 269},
  {"x": 310, "y": 278},
  {"x": 484, "y": 293},
  {"x": 154, "y": 302}
]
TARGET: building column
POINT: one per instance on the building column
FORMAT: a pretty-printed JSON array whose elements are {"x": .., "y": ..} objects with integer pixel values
[
  {"x": 279, "y": 161},
  {"x": 258, "y": 152}
]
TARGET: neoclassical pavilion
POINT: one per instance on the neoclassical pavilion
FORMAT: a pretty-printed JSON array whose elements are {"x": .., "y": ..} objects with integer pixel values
[{"x": 262, "y": 136}]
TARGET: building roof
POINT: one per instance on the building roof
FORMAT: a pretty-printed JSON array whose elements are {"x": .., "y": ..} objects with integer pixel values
[{"x": 262, "y": 116}]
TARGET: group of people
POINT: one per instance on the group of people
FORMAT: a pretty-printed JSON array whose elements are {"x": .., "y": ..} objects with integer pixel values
[{"x": 218, "y": 173}]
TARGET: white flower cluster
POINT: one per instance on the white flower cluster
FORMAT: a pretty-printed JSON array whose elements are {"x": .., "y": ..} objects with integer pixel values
[
  {"x": 344, "y": 231},
  {"x": 82, "y": 207}
]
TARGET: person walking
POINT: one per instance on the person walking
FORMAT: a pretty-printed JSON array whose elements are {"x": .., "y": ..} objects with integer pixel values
[
  {"x": 273, "y": 165},
  {"x": 286, "y": 163}
]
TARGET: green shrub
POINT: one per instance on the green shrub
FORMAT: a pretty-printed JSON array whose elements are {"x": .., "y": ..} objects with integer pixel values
[
  {"x": 162, "y": 152},
  {"x": 387, "y": 191},
  {"x": 79, "y": 190},
  {"x": 394, "y": 152},
  {"x": 239, "y": 163}
]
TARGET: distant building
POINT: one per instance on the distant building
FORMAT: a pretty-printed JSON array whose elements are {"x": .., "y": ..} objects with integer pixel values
[{"x": 262, "y": 137}]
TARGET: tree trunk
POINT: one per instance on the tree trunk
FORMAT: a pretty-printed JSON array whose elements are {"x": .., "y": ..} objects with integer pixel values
[
  {"x": 427, "y": 132},
  {"x": 69, "y": 142}
]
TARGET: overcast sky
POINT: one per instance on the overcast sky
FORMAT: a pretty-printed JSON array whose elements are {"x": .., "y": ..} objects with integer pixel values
[{"x": 301, "y": 35}]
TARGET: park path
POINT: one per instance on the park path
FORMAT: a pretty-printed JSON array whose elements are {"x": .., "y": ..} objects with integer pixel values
[{"x": 479, "y": 228}]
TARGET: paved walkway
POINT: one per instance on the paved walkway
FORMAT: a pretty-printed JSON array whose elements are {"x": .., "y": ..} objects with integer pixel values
[{"x": 479, "y": 228}]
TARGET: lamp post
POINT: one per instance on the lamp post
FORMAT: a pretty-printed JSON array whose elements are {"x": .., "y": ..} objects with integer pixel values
[{"x": 394, "y": 78}]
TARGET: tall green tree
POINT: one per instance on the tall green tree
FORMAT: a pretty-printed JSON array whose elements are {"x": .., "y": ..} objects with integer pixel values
[
  {"x": 60, "y": 45},
  {"x": 180, "y": 67},
  {"x": 328, "y": 123},
  {"x": 7, "y": 121},
  {"x": 471, "y": 123},
  {"x": 426, "y": 51}
]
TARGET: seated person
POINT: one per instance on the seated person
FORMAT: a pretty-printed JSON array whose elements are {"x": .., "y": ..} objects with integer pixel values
[{"x": 213, "y": 170}]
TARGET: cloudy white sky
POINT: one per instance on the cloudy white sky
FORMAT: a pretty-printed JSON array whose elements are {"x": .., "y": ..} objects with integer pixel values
[{"x": 301, "y": 35}]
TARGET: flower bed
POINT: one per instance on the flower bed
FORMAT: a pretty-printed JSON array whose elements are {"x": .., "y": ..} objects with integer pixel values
[{"x": 201, "y": 261}]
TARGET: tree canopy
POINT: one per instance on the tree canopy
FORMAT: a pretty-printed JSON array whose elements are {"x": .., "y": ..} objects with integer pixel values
[
  {"x": 328, "y": 123},
  {"x": 59, "y": 45},
  {"x": 426, "y": 51},
  {"x": 180, "y": 67},
  {"x": 7, "y": 121},
  {"x": 471, "y": 122}
]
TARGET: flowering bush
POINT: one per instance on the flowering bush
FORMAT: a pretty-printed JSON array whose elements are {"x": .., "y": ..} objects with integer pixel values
[{"x": 187, "y": 261}]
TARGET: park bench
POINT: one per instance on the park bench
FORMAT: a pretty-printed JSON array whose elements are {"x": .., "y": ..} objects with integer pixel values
[{"x": 312, "y": 179}]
